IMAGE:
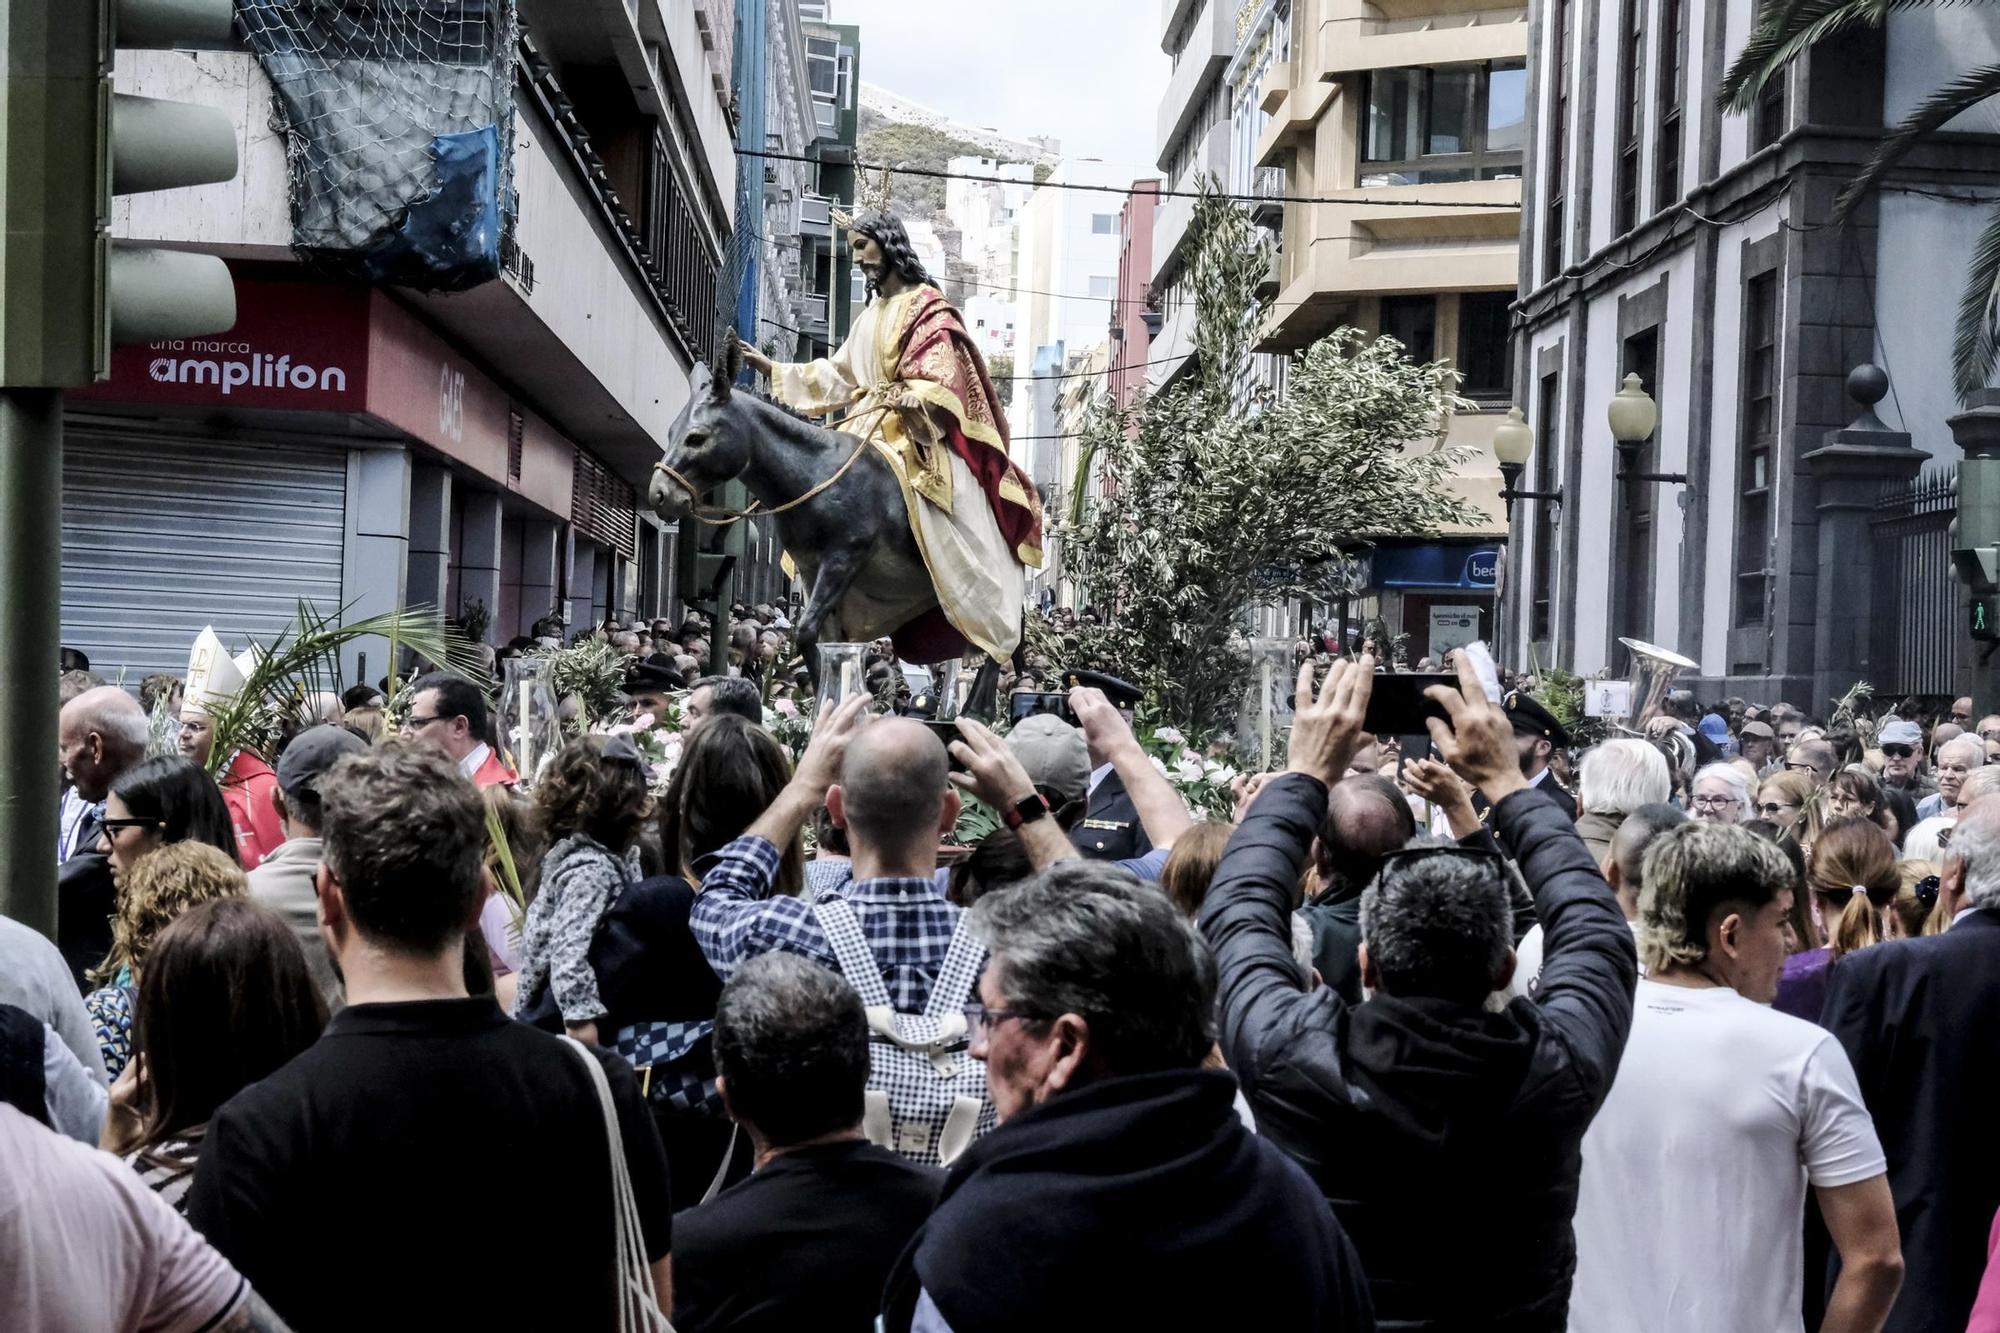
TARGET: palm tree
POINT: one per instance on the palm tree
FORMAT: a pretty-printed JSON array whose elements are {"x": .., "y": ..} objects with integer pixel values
[{"x": 1787, "y": 28}]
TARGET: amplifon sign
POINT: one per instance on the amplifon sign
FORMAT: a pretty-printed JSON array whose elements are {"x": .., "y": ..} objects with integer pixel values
[
  {"x": 182, "y": 362},
  {"x": 300, "y": 346}
]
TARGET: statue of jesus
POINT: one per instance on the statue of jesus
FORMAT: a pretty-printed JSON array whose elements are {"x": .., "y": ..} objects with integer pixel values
[{"x": 914, "y": 386}]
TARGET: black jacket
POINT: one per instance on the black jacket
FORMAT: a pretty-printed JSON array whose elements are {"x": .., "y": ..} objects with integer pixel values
[
  {"x": 1445, "y": 1136},
  {"x": 1132, "y": 1203},
  {"x": 86, "y": 900},
  {"x": 1110, "y": 829},
  {"x": 1920, "y": 1019}
]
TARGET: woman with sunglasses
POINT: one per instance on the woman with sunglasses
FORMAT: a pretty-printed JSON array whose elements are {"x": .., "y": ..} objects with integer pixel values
[
  {"x": 1782, "y": 797},
  {"x": 159, "y": 802}
]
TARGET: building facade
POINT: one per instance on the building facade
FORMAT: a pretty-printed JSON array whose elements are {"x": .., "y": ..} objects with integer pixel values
[
  {"x": 367, "y": 448},
  {"x": 1666, "y": 239},
  {"x": 834, "y": 288}
]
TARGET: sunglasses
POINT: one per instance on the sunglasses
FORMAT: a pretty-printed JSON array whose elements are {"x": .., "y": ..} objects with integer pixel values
[
  {"x": 115, "y": 825},
  {"x": 1772, "y": 809},
  {"x": 1898, "y": 751}
]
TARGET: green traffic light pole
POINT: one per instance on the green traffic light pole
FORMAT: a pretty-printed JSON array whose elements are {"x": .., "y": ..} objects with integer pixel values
[{"x": 30, "y": 627}]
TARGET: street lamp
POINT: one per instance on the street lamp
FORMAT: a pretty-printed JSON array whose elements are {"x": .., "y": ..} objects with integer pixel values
[
  {"x": 1633, "y": 415},
  {"x": 1513, "y": 442}
]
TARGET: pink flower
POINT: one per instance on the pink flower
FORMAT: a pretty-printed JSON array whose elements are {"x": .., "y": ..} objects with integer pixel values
[{"x": 785, "y": 707}]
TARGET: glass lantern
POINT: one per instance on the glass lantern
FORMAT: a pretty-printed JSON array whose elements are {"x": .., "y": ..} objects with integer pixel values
[
  {"x": 945, "y": 678},
  {"x": 1264, "y": 729},
  {"x": 530, "y": 721},
  {"x": 842, "y": 673}
]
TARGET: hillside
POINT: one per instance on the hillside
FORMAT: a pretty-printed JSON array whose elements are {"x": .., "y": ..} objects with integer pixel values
[{"x": 904, "y": 144}]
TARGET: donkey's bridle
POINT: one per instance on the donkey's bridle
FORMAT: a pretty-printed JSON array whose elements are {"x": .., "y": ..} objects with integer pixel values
[{"x": 722, "y": 518}]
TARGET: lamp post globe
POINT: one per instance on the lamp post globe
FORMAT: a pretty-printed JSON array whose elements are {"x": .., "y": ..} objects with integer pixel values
[{"x": 1633, "y": 413}]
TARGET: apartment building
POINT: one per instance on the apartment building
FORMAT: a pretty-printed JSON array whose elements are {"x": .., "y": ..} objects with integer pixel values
[
  {"x": 364, "y": 446},
  {"x": 1790, "y": 553}
]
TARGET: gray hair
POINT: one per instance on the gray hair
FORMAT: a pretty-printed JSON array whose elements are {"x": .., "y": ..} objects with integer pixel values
[
  {"x": 1440, "y": 924},
  {"x": 116, "y": 717},
  {"x": 1975, "y": 844},
  {"x": 1086, "y": 938},
  {"x": 1620, "y": 776},
  {"x": 1739, "y": 787},
  {"x": 1972, "y": 745},
  {"x": 792, "y": 1042},
  {"x": 1981, "y": 781},
  {"x": 1689, "y": 872}
]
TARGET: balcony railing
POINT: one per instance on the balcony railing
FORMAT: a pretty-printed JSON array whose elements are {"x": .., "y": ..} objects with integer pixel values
[{"x": 1269, "y": 187}]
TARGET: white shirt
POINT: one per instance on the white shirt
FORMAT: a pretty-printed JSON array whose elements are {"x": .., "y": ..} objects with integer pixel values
[
  {"x": 69, "y": 819},
  {"x": 1690, "y": 1208},
  {"x": 474, "y": 757},
  {"x": 1528, "y": 961},
  {"x": 1097, "y": 775}
]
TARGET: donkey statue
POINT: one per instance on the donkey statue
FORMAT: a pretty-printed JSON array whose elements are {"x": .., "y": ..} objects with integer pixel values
[{"x": 851, "y": 534}]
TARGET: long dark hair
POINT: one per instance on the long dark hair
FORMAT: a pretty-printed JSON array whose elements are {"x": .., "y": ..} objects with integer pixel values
[
  {"x": 181, "y": 798},
  {"x": 226, "y": 999},
  {"x": 887, "y": 231},
  {"x": 730, "y": 771}
]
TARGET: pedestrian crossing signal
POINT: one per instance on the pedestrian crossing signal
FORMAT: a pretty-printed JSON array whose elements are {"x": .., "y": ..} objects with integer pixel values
[{"x": 1986, "y": 618}]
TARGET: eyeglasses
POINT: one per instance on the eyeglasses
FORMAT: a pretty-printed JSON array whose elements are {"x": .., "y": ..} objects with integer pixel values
[
  {"x": 1794, "y": 766},
  {"x": 980, "y": 1021},
  {"x": 415, "y": 723},
  {"x": 110, "y": 826},
  {"x": 1898, "y": 751},
  {"x": 1772, "y": 809},
  {"x": 1714, "y": 802}
]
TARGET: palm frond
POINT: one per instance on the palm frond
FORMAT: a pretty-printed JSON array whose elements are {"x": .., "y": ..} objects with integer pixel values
[
  {"x": 1932, "y": 114},
  {"x": 303, "y": 661},
  {"x": 1785, "y": 28},
  {"x": 1974, "y": 347}
]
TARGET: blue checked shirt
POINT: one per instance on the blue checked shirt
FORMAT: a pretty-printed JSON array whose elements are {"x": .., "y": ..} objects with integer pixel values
[{"x": 907, "y": 922}]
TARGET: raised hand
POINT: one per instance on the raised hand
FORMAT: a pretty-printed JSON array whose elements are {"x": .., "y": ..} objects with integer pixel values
[
  {"x": 992, "y": 773},
  {"x": 1478, "y": 742},
  {"x": 1326, "y": 732},
  {"x": 819, "y": 766}
]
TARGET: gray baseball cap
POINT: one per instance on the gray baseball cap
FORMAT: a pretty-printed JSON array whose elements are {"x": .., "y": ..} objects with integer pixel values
[
  {"x": 1054, "y": 754},
  {"x": 311, "y": 753},
  {"x": 1900, "y": 732}
]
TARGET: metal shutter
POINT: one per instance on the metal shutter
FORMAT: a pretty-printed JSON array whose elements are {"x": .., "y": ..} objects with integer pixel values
[{"x": 163, "y": 536}]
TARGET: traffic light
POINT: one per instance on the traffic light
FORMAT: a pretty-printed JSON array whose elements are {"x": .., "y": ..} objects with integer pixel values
[
  {"x": 1985, "y": 617},
  {"x": 67, "y": 144}
]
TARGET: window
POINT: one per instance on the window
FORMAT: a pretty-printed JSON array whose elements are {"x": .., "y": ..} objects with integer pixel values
[
  {"x": 843, "y": 82},
  {"x": 1555, "y": 213},
  {"x": 1412, "y": 321},
  {"x": 1632, "y": 82},
  {"x": 1485, "y": 352},
  {"x": 1758, "y": 428},
  {"x": 1641, "y": 357},
  {"x": 1102, "y": 289},
  {"x": 1541, "y": 605},
  {"x": 1667, "y": 105},
  {"x": 822, "y": 67},
  {"x": 1452, "y": 123},
  {"x": 1767, "y": 124},
  {"x": 1103, "y": 224}
]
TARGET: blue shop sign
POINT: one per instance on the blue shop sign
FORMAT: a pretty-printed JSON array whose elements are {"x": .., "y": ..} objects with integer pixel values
[{"x": 1453, "y": 565}]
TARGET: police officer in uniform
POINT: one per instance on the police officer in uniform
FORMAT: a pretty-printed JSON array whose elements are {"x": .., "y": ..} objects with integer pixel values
[
  {"x": 1110, "y": 828},
  {"x": 1537, "y": 735}
]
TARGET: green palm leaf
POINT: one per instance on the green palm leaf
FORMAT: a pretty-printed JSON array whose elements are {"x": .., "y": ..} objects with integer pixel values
[
  {"x": 1973, "y": 348},
  {"x": 1786, "y": 28},
  {"x": 303, "y": 660},
  {"x": 1932, "y": 114}
]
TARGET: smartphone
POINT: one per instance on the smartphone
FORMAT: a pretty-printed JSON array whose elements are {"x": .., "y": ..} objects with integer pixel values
[
  {"x": 1025, "y": 705},
  {"x": 946, "y": 732},
  {"x": 1397, "y": 707}
]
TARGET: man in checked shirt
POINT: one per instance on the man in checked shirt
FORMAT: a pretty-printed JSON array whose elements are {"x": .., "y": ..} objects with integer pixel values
[{"x": 885, "y": 782}]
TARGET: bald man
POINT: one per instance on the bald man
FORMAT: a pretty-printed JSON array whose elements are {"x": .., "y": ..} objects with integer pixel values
[
  {"x": 99, "y": 735},
  {"x": 885, "y": 783}
]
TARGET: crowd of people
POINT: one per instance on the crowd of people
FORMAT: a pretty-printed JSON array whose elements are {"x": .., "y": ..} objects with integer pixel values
[{"x": 1681, "y": 1031}]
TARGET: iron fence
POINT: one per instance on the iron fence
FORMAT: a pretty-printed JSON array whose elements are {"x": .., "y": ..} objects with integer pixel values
[{"x": 1917, "y": 639}]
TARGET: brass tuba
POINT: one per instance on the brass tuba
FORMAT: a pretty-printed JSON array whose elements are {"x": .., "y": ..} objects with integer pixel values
[{"x": 1654, "y": 670}]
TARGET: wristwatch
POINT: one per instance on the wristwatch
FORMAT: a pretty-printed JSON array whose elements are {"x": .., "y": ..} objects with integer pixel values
[{"x": 1031, "y": 807}]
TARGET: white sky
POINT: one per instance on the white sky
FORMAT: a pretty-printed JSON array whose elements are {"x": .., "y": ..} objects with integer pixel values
[{"x": 1089, "y": 72}]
